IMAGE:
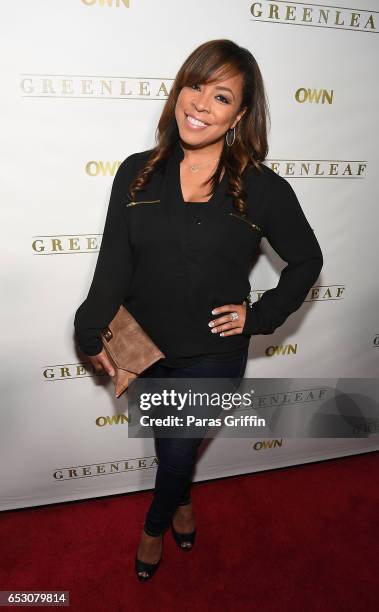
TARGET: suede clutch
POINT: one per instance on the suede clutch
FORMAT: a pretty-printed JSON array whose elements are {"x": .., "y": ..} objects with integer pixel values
[{"x": 129, "y": 349}]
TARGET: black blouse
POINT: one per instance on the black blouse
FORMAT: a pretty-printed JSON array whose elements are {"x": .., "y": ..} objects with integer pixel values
[{"x": 170, "y": 262}]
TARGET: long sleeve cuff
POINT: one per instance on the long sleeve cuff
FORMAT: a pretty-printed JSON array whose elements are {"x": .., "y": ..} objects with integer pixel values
[{"x": 275, "y": 305}]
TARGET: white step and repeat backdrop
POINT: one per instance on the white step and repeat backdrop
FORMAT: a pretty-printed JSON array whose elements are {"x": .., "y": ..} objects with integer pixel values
[{"x": 83, "y": 85}]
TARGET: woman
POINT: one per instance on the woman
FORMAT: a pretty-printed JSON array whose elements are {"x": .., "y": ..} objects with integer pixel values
[{"x": 183, "y": 224}]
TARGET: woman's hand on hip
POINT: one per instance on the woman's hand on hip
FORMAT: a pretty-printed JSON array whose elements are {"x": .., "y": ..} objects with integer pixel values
[
  {"x": 101, "y": 362},
  {"x": 229, "y": 324}
]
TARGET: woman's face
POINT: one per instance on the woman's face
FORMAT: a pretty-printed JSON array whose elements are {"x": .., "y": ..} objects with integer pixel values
[{"x": 205, "y": 112}]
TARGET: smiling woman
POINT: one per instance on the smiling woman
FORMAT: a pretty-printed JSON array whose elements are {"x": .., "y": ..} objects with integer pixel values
[
  {"x": 203, "y": 115},
  {"x": 218, "y": 108},
  {"x": 184, "y": 223}
]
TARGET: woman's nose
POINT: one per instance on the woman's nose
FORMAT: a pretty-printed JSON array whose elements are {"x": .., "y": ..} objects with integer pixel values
[{"x": 202, "y": 102}]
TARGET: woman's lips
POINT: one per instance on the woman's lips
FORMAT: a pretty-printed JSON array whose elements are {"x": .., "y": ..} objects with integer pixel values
[{"x": 194, "y": 123}]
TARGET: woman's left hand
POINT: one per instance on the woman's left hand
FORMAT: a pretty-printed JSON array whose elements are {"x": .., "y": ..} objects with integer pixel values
[{"x": 226, "y": 324}]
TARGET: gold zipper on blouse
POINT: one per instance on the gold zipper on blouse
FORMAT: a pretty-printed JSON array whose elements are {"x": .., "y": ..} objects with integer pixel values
[
  {"x": 253, "y": 225},
  {"x": 143, "y": 202}
]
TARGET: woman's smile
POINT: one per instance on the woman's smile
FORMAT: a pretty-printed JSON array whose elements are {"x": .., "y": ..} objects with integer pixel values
[{"x": 194, "y": 123}]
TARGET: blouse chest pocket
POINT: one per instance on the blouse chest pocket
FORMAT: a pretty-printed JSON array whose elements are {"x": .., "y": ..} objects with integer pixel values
[
  {"x": 234, "y": 237},
  {"x": 252, "y": 226},
  {"x": 147, "y": 225},
  {"x": 244, "y": 234},
  {"x": 137, "y": 203}
]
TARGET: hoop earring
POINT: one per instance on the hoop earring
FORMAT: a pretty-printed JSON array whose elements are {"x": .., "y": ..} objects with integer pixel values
[{"x": 234, "y": 136}]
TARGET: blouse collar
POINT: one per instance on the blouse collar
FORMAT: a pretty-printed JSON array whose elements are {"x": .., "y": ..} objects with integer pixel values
[
  {"x": 172, "y": 182},
  {"x": 178, "y": 152}
]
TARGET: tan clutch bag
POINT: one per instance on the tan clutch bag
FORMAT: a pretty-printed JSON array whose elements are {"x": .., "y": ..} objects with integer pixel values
[{"x": 129, "y": 348}]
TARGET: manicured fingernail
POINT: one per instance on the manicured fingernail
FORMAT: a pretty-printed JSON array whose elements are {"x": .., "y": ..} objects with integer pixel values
[
  {"x": 211, "y": 324},
  {"x": 214, "y": 311},
  {"x": 222, "y": 334},
  {"x": 214, "y": 331}
]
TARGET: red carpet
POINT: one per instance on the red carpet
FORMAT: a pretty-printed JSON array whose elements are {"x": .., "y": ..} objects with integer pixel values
[{"x": 302, "y": 539}]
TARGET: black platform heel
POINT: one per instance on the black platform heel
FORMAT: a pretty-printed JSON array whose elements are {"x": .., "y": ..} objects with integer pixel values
[
  {"x": 185, "y": 541},
  {"x": 144, "y": 571}
]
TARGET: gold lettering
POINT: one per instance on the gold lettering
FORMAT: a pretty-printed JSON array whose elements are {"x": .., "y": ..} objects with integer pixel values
[
  {"x": 274, "y": 11},
  {"x": 108, "y": 3},
  {"x": 355, "y": 20},
  {"x": 275, "y": 167},
  {"x": 289, "y": 167},
  {"x": 47, "y": 86},
  {"x": 253, "y": 7},
  {"x": 306, "y": 14},
  {"x": 143, "y": 88},
  {"x": 74, "y": 246},
  {"x": 65, "y": 372},
  {"x": 66, "y": 83},
  {"x": 107, "y": 85},
  {"x": 290, "y": 16},
  {"x": 56, "y": 244},
  {"x": 86, "y": 84},
  {"x": 92, "y": 168},
  {"x": 301, "y": 95},
  {"x": 24, "y": 87},
  {"x": 315, "y": 293},
  {"x": 347, "y": 170},
  {"x": 36, "y": 247},
  {"x": 337, "y": 22},
  {"x": 108, "y": 167},
  {"x": 327, "y": 96},
  {"x": 317, "y": 170},
  {"x": 123, "y": 87},
  {"x": 340, "y": 291},
  {"x": 314, "y": 94},
  {"x": 297, "y": 13},
  {"x": 162, "y": 88},
  {"x": 91, "y": 244},
  {"x": 370, "y": 21},
  {"x": 324, "y": 14}
]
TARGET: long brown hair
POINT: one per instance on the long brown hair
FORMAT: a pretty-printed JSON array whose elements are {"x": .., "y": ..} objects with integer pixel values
[{"x": 250, "y": 146}]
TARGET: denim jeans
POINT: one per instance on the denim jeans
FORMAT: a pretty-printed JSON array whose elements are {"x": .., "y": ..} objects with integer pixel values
[{"x": 177, "y": 456}]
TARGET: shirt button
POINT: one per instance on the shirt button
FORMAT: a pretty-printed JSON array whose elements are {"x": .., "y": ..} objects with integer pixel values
[{"x": 198, "y": 221}]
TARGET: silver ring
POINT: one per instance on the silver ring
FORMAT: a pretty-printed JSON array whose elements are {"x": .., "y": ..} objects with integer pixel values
[{"x": 234, "y": 316}]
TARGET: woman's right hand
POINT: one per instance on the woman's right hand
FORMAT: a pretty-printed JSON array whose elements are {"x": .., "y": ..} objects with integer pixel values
[{"x": 101, "y": 362}]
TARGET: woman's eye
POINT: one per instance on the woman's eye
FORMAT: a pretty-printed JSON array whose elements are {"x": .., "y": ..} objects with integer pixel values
[{"x": 222, "y": 98}]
